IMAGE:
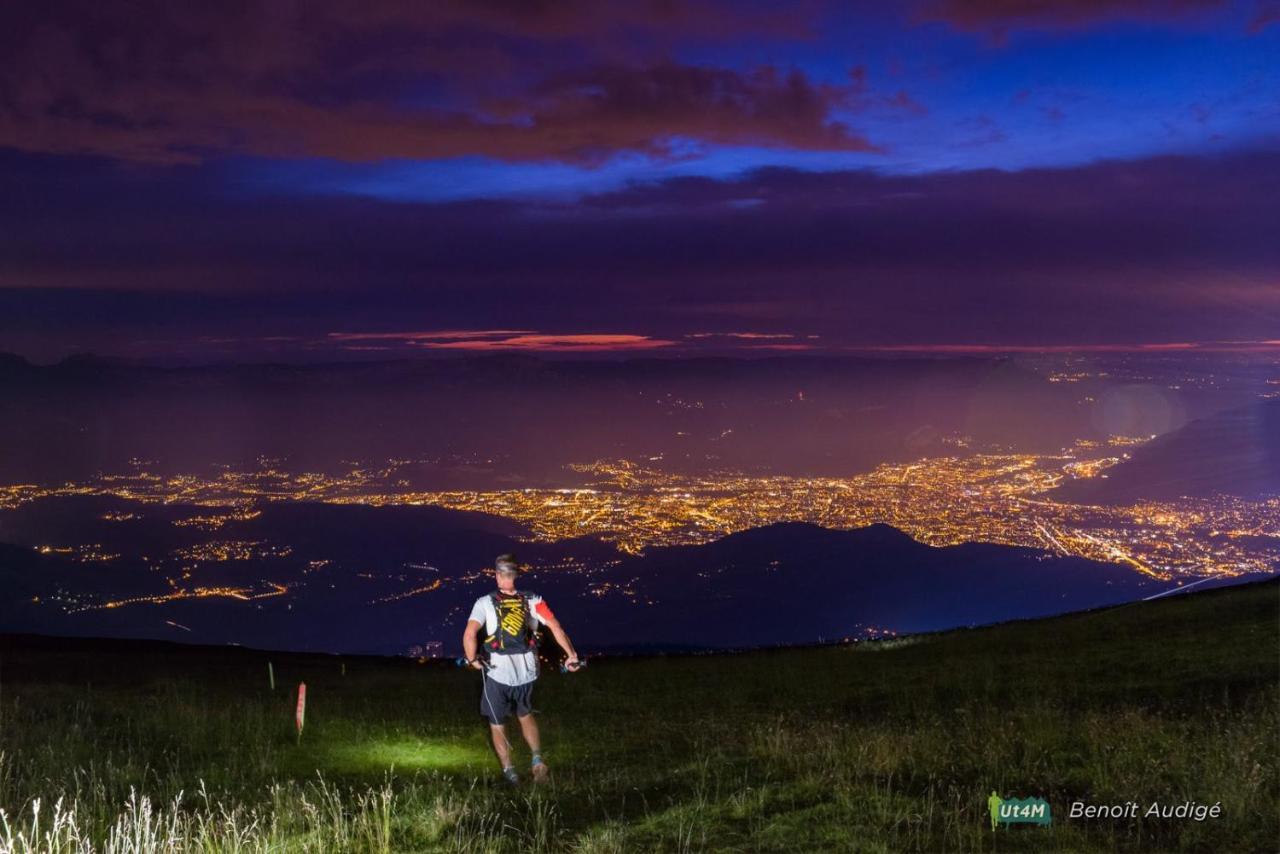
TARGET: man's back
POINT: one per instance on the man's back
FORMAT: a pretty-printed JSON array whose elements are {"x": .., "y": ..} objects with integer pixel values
[{"x": 510, "y": 668}]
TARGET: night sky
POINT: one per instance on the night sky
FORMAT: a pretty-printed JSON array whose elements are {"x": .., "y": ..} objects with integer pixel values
[{"x": 327, "y": 180}]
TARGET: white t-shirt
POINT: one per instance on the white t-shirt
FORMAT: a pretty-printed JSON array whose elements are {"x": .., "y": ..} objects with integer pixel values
[{"x": 520, "y": 668}]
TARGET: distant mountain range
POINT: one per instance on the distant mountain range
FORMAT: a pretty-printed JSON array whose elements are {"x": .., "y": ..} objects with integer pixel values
[
  {"x": 795, "y": 583},
  {"x": 1232, "y": 453},
  {"x": 382, "y": 580}
]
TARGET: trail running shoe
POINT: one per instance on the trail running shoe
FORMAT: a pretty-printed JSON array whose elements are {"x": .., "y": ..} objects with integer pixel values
[
  {"x": 509, "y": 774},
  {"x": 540, "y": 770}
]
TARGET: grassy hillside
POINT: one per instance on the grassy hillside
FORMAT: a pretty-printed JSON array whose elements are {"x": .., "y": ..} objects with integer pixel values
[{"x": 884, "y": 746}]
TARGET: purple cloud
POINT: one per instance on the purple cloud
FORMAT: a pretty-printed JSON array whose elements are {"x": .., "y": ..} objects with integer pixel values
[{"x": 176, "y": 83}]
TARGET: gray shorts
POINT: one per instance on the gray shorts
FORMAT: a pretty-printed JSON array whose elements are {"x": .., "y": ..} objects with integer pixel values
[{"x": 497, "y": 701}]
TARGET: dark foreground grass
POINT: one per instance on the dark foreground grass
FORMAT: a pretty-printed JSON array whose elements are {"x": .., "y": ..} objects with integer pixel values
[{"x": 874, "y": 747}]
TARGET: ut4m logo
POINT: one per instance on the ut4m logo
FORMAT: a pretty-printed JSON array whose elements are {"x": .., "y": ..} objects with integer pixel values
[{"x": 1018, "y": 810}]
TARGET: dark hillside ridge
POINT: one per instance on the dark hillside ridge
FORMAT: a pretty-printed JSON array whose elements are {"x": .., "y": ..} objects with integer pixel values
[
  {"x": 390, "y": 579},
  {"x": 1232, "y": 453}
]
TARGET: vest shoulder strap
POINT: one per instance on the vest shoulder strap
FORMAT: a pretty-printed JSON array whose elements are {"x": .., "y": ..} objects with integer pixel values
[{"x": 527, "y": 595}]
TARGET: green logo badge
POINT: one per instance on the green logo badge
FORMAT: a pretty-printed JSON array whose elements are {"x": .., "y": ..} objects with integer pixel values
[{"x": 1018, "y": 810}]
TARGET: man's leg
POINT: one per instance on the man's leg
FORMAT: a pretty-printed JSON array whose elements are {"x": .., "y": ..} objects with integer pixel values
[
  {"x": 495, "y": 705},
  {"x": 501, "y": 746},
  {"x": 529, "y": 729}
]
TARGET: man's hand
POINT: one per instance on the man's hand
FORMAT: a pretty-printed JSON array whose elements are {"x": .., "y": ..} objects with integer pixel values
[
  {"x": 571, "y": 660},
  {"x": 470, "y": 648}
]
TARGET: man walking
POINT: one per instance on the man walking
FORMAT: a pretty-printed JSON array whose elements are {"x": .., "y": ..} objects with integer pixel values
[{"x": 510, "y": 620}]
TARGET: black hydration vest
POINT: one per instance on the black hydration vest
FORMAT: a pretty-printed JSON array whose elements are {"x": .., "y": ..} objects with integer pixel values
[{"x": 517, "y": 631}]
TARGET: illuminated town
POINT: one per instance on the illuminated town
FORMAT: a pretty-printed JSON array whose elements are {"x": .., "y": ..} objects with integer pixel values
[{"x": 1000, "y": 498}]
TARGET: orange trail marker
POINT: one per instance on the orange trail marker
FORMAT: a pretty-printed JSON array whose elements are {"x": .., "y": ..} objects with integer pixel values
[{"x": 302, "y": 708}]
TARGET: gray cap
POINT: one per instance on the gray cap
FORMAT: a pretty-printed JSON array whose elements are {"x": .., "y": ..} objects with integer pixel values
[{"x": 506, "y": 563}]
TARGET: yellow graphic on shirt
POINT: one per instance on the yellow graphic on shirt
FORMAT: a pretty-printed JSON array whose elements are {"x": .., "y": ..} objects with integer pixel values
[{"x": 511, "y": 616}]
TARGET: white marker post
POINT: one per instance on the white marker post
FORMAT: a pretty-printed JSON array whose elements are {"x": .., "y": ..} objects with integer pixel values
[{"x": 271, "y": 675}]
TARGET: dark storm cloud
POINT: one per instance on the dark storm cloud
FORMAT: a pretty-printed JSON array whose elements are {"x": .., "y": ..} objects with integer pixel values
[
  {"x": 1155, "y": 213},
  {"x": 982, "y": 14},
  {"x": 577, "y": 82},
  {"x": 1161, "y": 214},
  {"x": 1165, "y": 249}
]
